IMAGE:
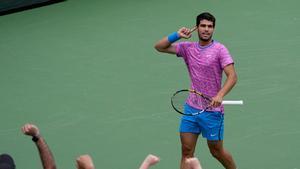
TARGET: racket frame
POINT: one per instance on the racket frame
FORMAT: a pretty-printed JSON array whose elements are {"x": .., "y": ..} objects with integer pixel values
[
  {"x": 190, "y": 91},
  {"x": 225, "y": 102}
]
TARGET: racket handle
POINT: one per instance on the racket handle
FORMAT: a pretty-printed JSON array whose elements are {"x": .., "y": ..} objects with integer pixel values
[{"x": 233, "y": 102}]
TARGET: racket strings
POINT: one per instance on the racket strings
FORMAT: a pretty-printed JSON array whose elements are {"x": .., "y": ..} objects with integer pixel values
[
  {"x": 179, "y": 100},
  {"x": 194, "y": 99},
  {"x": 199, "y": 101}
]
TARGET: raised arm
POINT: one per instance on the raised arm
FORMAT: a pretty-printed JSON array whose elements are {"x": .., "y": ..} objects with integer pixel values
[
  {"x": 165, "y": 45},
  {"x": 44, "y": 151}
]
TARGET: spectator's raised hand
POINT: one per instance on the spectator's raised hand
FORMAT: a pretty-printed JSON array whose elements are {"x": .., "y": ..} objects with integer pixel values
[{"x": 30, "y": 130}]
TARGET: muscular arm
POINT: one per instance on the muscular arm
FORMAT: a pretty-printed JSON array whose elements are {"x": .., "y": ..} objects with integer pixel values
[
  {"x": 230, "y": 80},
  {"x": 228, "y": 85},
  {"x": 45, "y": 154},
  {"x": 165, "y": 46},
  {"x": 44, "y": 151}
]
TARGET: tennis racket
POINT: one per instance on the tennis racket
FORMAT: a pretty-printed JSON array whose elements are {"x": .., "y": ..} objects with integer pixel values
[{"x": 179, "y": 98}]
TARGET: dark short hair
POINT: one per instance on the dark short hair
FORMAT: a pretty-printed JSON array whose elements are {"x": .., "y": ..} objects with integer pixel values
[
  {"x": 7, "y": 162},
  {"x": 206, "y": 16}
]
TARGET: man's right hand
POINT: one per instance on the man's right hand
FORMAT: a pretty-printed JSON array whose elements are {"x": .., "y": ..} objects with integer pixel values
[{"x": 186, "y": 32}]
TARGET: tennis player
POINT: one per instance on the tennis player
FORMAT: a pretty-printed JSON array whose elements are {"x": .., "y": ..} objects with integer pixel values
[{"x": 206, "y": 60}]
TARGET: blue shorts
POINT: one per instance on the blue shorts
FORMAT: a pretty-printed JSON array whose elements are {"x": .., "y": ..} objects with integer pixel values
[{"x": 209, "y": 124}]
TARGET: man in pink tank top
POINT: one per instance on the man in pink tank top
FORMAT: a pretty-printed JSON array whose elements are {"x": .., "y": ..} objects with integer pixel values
[{"x": 206, "y": 60}]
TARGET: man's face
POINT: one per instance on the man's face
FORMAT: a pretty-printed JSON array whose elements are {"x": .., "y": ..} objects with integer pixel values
[{"x": 205, "y": 30}]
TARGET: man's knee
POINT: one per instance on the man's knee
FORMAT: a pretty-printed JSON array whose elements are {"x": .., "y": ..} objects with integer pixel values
[
  {"x": 216, "y": 152},
  {"x": 216, "y": 149},
  {"x": 187, "y": 151}
]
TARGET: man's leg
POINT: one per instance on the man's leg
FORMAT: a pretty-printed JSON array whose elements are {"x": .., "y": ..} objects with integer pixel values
[
  {"x": 217, "y": 150},
  {"x": 188, "y": 145}
]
